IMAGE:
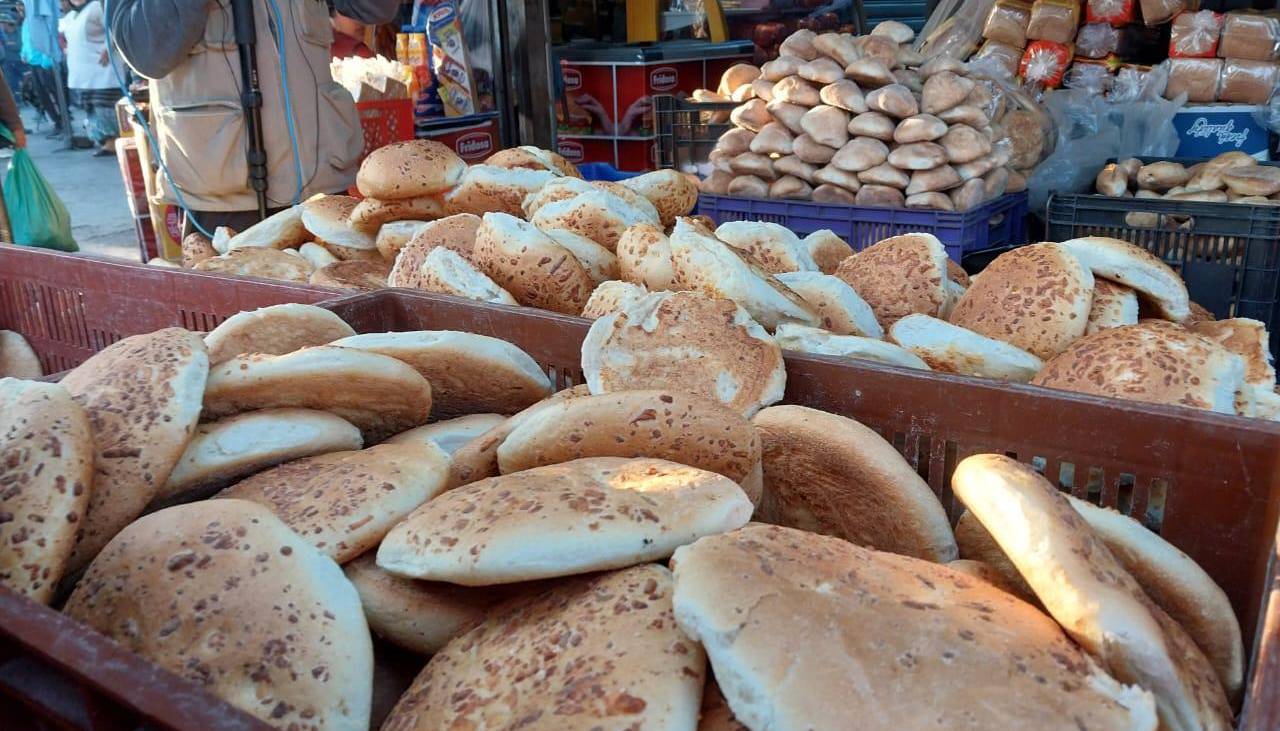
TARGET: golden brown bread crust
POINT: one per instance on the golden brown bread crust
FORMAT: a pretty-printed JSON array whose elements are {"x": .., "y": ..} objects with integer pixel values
[
  {"x": 370, "y": 213},
  {"x": 597, "y": 652},
  {"x": 274, "y": 330},
  {"x": 17, "y": 358},
  {"x": 1114, "y": 305},
  {"x": 899, "y": 276},
  {"x": 142, "y": 396},
  {"x": 361, "y": 276},
  {"x": 46, "y": 468},
  {"x": 409, "y": 169},
  {"x": 1034, "y": 297},
  {"x": 1247, "y": 339},
  {"x": 530, "y": 265},
  {"x": 457, "y": 232},
  {"x": 533, "y": 158},
  {"x": 716, "y": 714},
  {"x": 257, "y": 261}
]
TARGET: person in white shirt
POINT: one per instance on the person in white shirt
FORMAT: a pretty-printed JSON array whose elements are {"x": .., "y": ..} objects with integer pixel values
[{"x": 89, "y": 72}]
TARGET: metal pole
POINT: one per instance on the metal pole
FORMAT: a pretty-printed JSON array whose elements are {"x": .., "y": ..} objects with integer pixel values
[
  {"x": 64, "y": 108},
  {"x": 251, "y": 99}
]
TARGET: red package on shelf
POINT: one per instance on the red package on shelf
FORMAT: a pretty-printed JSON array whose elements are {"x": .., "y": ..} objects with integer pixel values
[
  {"x": 1195, "y": 35},
  {"x": 1045, "y": 62},
  {"x": 1112, "y": 12}
]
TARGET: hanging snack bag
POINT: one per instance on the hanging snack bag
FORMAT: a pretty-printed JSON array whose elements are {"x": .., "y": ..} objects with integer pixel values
[
  {"x": 1045, "y": 62},
  {"x": 1198, "y": 77},
  {"x": 1195, "y": 35},
  {"x": 1252, "y": 37},
  {"x": 1054, "y": 20},
  {"x": 1007, "y": 23},
  {"x": 1112, "y": 12},
  {"x": 449, "y": 59},
  {"x": 1097, "y": 40}
]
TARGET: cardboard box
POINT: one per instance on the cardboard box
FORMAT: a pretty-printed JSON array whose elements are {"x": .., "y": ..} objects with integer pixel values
[
  {"x": 474, "y": 137},
  {"x": 1209, "y": 130}
]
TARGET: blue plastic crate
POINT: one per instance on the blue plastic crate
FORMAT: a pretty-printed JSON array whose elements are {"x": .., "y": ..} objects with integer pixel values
[
  {"x": 603, "y": 171},
  {"x": 1000, "y": 223}
]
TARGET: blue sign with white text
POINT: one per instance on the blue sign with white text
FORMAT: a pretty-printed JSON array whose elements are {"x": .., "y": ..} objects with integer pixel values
[{"x": 1209, "y": 131}]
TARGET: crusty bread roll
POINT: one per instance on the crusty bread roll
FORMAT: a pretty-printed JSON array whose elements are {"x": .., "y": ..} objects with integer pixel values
[
  {"x": 829, "y": 474},
  {"x": 969, "y": 195},
  {"x": 1089, "y": 593},
  {"x": 1246, "y": 338},
  {"x": 328, "y": 219},
  {"x": 393, "y": 236},
  {"x": 773, "y": 138},
  {"x": 704, "y": 263},
  {"x": 256, "y": 261},
  {"x": 861, "y": 153},
  {"x": 795, "y": 167},
  {"x": 224, "y": 451},
  {"x": 297, "y": 651},
  {"x": 486, "y": 188},
  {"x": 826, "y": 125},
  {"x": 343, "y": 503},
  {"x": 899, "y": 276},
  {"x": 599, "y": 263},
  {"x": 142, "y": 396},
  {"x": 870, "y": 73},
  {"x": 1253, "y": 180},
  {"x": 942, "y": 63},
  {"x": 761, "y": 89},
  {"x": 943, "y": 177},
  {"x": 838, "y": 46},
  {"x": 965, "y": 114},
  {"x": 951, "y": 349},
  {"x": 371, "y": 213},
  {"x": 736, "y": 141},
  {"x": 725, "y": 355},
  {"x": 1135, "y": 267},
  {"x": 773, "y": 247},
  {"x": 451, "y": 434},
  {"x": 1114, "y": 305},
  {"x": 281, "y": 230},
  {"x": 422, "y": 616},
  {"x": 47, "y": 448},
  {"x": 671, "y": 193},
  {"x": 876, "y": 125},
  {"x": 274, "y": 330},
  {"x": 534, "y": 158},
  {"x": 828, "y": 193},
  {"x": 379, "y": 394},
  {"x": 884, "y": 174},
  {"x": 360, "y": 276},
  {"x": 1153, "y": 361},
  {"x": 409, "y": 169},
  {"x": 800, "y": 45},
  {"x": 844, "y": 94},
  {"x": 661, "y": 424},
  {"x": 612, "y": 296},
  {"x": 943, "y": 90},
  {"x": 803, "y": 339},
  {"x": 919, "y": 128},
  {"x": 879, "y": 632},
  {"x": 787, "y": 116},
  {"x": 513, "y": 542},
  {"x": 468, "y": 373},
  {"x": 796, "y": 90},
  {"x": 17, "y": 359},
  {"x": 1161, "y": 176},
  {"x": 599, "y": 215},
  {"x": 753, "y": 115},
  {"x": 533, "y": 267},
  {"x": 883, "y": 196},
  {"x": 918, "y": 156},
  {"x": 894, "y": 100},
  {"x": 839, "y": 309},
  {"x": 445, "y": 272},
  {"x": 782, "y": 67},
  {"x": 644, "y": 257},
  {"x": 748, "y": 186},
  {"x": 789, "y": 187},
  {"x": 1035, "y": 297},
  {"x": 811, "y": 152},
  {"x": 964, "y": 144},
  {"x": 821, "y": 71},
  {"x": 827, "y": 249},
  {"x": 456, "y": 232},
  {"x": 623, "y": 661},
  {"x": 197, "y": 247},
  {"x": 735, "y": 77},
  {"x": 833, "y": 176}
]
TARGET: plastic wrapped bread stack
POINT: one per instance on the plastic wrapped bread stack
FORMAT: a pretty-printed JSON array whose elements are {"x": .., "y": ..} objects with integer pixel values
[{"x": 867, "y": 121}]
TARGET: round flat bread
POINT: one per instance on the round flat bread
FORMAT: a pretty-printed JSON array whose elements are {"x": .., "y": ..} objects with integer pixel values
[
  {"x": 774, "y": 248},
  {"x": 357, "y": 276},
  {"x": 446, "y": 272},
  {"x": 829, "y": 474},
  {"x": 469, "y": 373},
  {"x": 672, "y": 193},
  {"x": 46, "y": 468},
  {"x": 488, "y": 188},
  {"x": 142, "y": 395},
  {"x": 708, "y": 347},
  {"x": 257, "y": 261},
  {"x": 827, "y": 249},
  {"x": 344, "y": 502},
  {"x": 899, "y": 276},
  {"x": 1035, "y": 297},
  {"x": 1136, "y": 268},
  {"x": 593, "y": 653},
  {"x": 949, "y": 348},
  {"x": 224, "y": 595},
  {"x": 274, "y": 330},
  {"x": 328, "y": 218},
  {"x": 839, "y": 309},
  {"x": 451, "y": 434},
  {"x": 1089, "y": 593},
  {"x": 17, "y": 359},
  {"x": 612, "y": 296},
  {"x": 393, "y": 236},
  {"x": 669, "y": 425},
  {"x": 1246, "y": 338},
  {"x": 644, "y": 257},
  {"x": 457, "y": 233},
  {"x": 533, "y": 158},
  {"x": 600, "y": 215},
  {"x": 572, "y": 518},
  {"x": 533, "y": 267},
  {"x": 409, "y": 169},
  {"x": 379, "y": 394},
  {"x": 811, "y": 632},
  {"x": 1114, "y": 305},
  {"x": 227, "y": 450},
  {"x": 803, "y": 339}
]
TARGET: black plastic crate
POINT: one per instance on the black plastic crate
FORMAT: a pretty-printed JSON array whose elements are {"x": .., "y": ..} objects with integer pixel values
[
  {"x": 687, "y": 131},
  {"x": 1228, "y": 253}
]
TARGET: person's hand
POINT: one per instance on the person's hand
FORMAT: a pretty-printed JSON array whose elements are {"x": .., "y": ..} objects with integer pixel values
[
  {"x": 635, "y": 114},
  {"x": 592, "y": 106},
  {"x": 104, "y": 59},
  {"x": 19, "y": 139}
]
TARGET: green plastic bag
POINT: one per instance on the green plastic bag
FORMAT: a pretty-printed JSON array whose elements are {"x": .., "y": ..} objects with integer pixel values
[{"x": 37, "y": 215}]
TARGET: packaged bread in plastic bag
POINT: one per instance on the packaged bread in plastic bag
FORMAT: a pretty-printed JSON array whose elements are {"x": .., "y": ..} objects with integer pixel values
[
  {"x": 1097, "y": 40},
  {"x": 1054, "y": 20},
  {"x": 1044, "y": 63},
  {"x": 1007, "y": 23},
  {"x": 1248, "y": 82},
  {"x": 1197, "y": 77},
  {"x": 1159, "y": 12},
  {"x": 1092, "y": 76},
  {"x": 1004, "y": 56},
  {"x": 1111, "y": 12},
  {"x": 1195, "y": 35},
  {"x": 1249, "y": 36}
]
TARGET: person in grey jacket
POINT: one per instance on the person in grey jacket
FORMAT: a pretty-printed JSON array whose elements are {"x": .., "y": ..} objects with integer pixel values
[{"x": 187, "y": 49}]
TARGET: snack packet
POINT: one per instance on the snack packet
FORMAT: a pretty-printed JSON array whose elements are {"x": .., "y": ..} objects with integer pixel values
[
  {"x": 449, "y": 59},
  {"x": 1045, "y": 62},
  {"x": 1195, "y": 35},
  {"x": 1115, "y": 13},
  {"x": 1097, "y": 40}
]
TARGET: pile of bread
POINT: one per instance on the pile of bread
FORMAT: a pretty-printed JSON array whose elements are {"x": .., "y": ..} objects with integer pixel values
[
  {"x": 582, "y": 559},
  {"x": 419, "y": 196},
  {"x": 868, "y": 121},
  {"x": 1232, "y": 177}
]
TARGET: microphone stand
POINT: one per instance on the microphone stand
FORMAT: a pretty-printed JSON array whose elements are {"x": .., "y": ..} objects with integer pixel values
[{"x": 251, "y": 99}]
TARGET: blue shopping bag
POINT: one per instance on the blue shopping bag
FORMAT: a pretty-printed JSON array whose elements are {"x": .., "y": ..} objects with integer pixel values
[{"x": 37, "y": 215}]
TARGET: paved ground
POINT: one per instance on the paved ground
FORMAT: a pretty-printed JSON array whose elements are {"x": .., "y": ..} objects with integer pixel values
[{"x": 91, "y": 188}]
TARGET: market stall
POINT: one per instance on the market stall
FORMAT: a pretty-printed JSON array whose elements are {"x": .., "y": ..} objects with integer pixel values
[{"x": 797, "y": 427}]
